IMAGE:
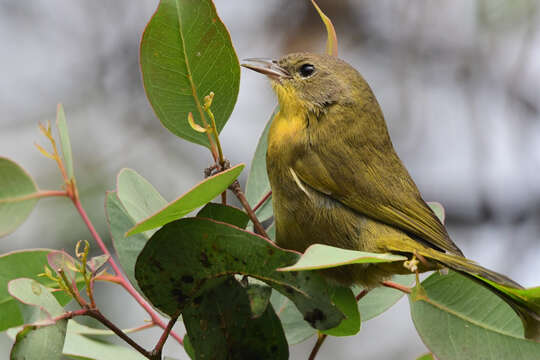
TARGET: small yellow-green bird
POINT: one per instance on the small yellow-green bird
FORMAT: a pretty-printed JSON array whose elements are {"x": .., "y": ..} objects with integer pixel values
[{"x": 337, "y": 180}]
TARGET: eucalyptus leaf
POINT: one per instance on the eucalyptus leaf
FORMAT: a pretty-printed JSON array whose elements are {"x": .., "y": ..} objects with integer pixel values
[
  {"x": 225, "y": 213},
  {"x": 195, "y": 254},
  {"x": 198, "y": 196},
  {"x": 346, "y": 302},
  {"x": 220, "y": 325},
  {"x": 38, "y": 306},
  {"x": 318, "y": 256},
  {"x": 23, "y": 264},
  {"x": 463, "y": 320},
  {"x": 65, "y": 143},
  {"x": 186, "y": 53},
  {"x": 257, "y": 184},
  {"x": 438, "y": 209},
  {"x": 296, "y": 328},
  {"x": 127, "y": 248},
  {"x": 16, "y": 190},
  {"x": 138, "y": 197}
]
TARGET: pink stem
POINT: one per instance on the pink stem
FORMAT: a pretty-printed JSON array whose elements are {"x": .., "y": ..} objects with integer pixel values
[
  {"x": 36, "y": 195},
  {"x": 262, "y": 201},
  {"x": 122, "y": 279}
]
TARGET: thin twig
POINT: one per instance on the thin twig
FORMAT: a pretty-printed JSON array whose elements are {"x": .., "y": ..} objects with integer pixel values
[
  {"x": 96, "y": 314},
  {"x": 235, "y": 188},
  {"x": 361, "y": 294},
  {"x": 36, "y": 195},
  {"x": 394, "y": 285},
  {"x": 263, "y": 200},
  {"x": 156, "y": 353},
  {"x": 320, "y": 339},
  {"x": 122, "y": 280}
]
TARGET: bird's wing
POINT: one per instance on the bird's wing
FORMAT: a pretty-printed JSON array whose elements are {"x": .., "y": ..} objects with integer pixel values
[{"x": 376, "y": 185}]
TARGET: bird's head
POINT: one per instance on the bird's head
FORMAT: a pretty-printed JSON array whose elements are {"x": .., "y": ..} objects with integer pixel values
[{"x": 310, "y": 82}]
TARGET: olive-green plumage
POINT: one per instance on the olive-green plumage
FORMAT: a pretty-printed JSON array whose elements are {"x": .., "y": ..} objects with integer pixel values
[{"x": 337, "y": 180}]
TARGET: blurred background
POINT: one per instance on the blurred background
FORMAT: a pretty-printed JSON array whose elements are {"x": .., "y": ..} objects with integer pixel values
[{"x": 458, "y": 81}]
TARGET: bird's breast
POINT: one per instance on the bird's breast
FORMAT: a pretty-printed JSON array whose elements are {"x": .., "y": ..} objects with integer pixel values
[{"x": 286, "y": 132}]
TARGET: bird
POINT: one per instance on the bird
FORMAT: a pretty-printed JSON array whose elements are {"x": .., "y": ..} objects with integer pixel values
[{"x": 337, "y": 180}]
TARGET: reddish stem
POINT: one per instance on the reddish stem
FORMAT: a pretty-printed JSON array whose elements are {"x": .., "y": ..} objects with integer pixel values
[
  {"x": 394, "y": 285},
  {"x": 361, "y": 294},
  {"x": 156, "y": 353},
  {"x": 121, "y": 278},
  {"x": 36, "y": 195},
  {"x": 320, "y": 339},
  {"x": 263, "y": 200}
]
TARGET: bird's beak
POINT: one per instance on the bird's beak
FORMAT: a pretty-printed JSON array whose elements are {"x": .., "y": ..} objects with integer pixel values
[{"x": 267, "y": 67}]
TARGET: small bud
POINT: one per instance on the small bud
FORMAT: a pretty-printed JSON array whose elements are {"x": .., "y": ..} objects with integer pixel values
[
  {"x": 208, "y": 100},
  {"x": 194, "y": 125}
]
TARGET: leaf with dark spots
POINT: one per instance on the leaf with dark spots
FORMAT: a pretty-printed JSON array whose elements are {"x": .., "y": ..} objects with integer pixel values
[
  {"x": 221, "y": 326},
  {"x": 180, "y": 249},
  {"x": 314, "y": 316},
  {"x": 224, "y": 213}
]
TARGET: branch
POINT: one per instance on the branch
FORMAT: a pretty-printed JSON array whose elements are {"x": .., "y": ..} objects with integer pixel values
[
  {"x": 156, "y": 353},
  {"x": 394, "y": 285},
  {"x": 120, "y": 277},
  {"x": 235, "y": 188},
  {"x": 320, "y": 339},
  {"x": 96, "y": 314},
  {"x": 36, "y": 195},
  {"x": 263, "y": 200}
]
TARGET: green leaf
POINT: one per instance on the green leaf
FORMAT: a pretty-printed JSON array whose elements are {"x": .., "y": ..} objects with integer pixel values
[
  {"x": 191, "y": 255},
  {"x": 427, "y": 356},
  {"x": 381, "y": 298},
  {"x": 38, "y": 305},
  {"x": 318, "y": 256},
  {"x": 220, "y": 325},
  {"x": 331, "y": 42},
  {"x": 81, "y": 347},
  {"x": 224, "y": 213},
  {"x": 296, "y": 328},
  {"x": 271, "y": 231},
  {"x": 438, "y": 209},
  {"x": 463, "y": 320},
  {"x": 259, "y": 298},
  {"x": 525, "y": 302},
  {"x": 127, "y": 248},
  {"x": 138, "y": 197},
  {"x": 199, "y": 195},
  {"x": 186, "y": 52},
  {"x": 188, "y": 347},
  {"x": 16, "y": 188},
  {"x": 23, "y": 264},
  {"x": 346, "y": 302},
  {"x": 78, "y": 345},
  {"x": 80, "y": 329},
  {"x": 65, "y": 143},
  {"x": 258, "y": 185}
]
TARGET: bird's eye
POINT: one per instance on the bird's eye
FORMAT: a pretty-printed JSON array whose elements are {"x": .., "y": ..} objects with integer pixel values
[{"x": 306, "y": 70}]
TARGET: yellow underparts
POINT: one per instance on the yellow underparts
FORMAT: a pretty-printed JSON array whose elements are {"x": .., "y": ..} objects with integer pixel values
[{"x": 291, "y": 118}]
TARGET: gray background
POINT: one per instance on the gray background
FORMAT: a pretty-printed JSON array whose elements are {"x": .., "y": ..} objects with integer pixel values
[{"x": 458, "y": 81}]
